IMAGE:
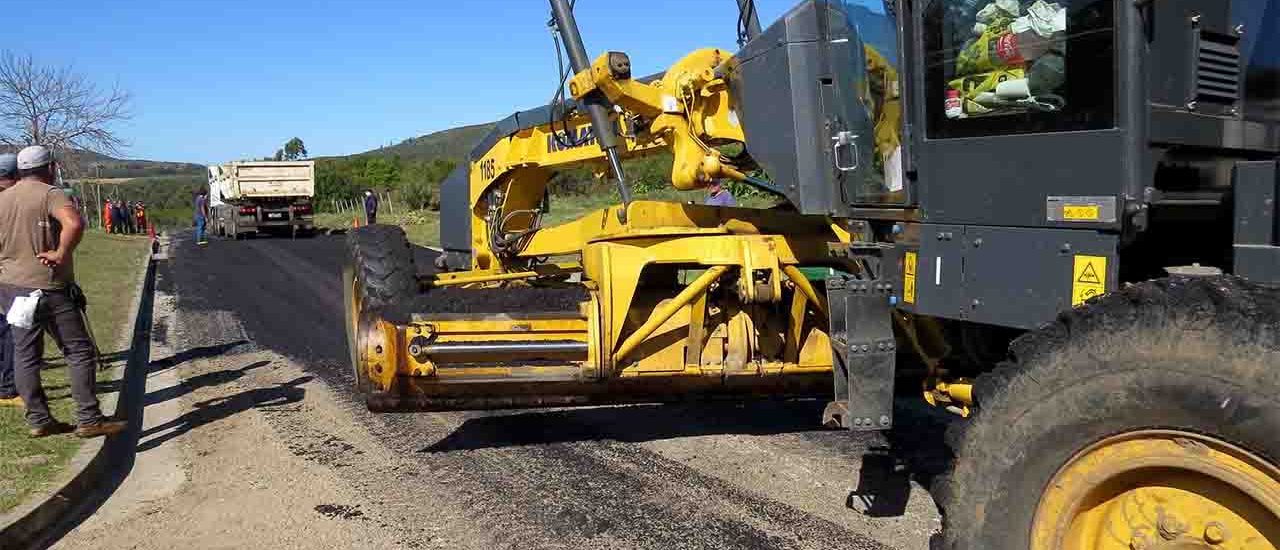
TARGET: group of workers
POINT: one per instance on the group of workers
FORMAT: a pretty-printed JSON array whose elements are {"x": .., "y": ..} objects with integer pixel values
[
  {"x": 40, "y": 228},
  {"x": 124, "y": 217}
]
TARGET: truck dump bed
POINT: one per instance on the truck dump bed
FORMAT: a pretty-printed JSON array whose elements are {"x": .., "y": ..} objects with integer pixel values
[{"x": 251, "y": 180}]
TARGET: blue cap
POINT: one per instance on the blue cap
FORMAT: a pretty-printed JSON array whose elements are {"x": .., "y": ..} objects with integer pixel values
[{"x": 8, "y": 165}]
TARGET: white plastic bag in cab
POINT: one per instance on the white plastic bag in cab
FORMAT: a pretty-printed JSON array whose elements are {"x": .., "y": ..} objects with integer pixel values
[{"x": 23, "y": 311}]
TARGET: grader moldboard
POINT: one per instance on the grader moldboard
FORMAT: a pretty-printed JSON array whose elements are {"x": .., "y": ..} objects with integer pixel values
[{"x": 1056, "y": 219}]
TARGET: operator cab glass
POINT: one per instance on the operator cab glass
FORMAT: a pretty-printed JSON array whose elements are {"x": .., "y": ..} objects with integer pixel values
[
  {"x": 881, "y": 95},
  {"x": 1260, "y": 53},
  {"x": 996, "y": 67}
]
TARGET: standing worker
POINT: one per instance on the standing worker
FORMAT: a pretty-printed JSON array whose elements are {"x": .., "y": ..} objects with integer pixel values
[
  {"x": 717, "y": 195},
  {"x": 8, "y": 391},
  {"x": 202, "y": 215},
  {"x": 39, "y": 231},
  {"x": 106, "y": 216},
  {"x": 117, "y": 217},
  {"x": 370, "y": 207},
  {"x": 140, "y": 216}
]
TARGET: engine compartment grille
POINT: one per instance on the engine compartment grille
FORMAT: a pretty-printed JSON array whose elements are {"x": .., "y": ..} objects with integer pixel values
[{"x": 1217, "y": 68}]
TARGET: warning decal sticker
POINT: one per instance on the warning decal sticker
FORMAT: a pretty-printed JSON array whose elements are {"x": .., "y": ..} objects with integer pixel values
[
  {"x": 909, "y": 279},
  {"x": 1088, "y": 278}
]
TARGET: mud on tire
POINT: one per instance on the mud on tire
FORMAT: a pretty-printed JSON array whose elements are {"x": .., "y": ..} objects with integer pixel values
[{"x": 1193, "y": 354}]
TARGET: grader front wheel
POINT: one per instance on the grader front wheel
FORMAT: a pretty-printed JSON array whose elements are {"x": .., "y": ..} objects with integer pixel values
[
  {"x": 1146, "y": 420},
  {"x": 379, "y": 280}
]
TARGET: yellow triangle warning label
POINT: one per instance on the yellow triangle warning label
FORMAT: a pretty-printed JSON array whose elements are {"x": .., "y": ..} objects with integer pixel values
[
  {"x": 1089, "y": 275},
  {"x": 1088, "y": 278}
]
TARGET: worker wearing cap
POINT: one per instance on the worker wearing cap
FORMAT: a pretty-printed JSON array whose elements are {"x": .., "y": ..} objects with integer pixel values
[
  {"x": 39, "y": 231},
  {"x": 8, "y": 390}
]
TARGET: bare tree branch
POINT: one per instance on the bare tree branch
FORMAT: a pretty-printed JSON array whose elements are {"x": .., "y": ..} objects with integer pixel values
[{"x": 58, "y": 108}]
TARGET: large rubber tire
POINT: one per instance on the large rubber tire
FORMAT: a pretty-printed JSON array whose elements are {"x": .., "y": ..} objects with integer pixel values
[
  {"x": 383, "y": 259},
  {"x": 1193, "y": 355},
  {"x": 379, "y": 275}
]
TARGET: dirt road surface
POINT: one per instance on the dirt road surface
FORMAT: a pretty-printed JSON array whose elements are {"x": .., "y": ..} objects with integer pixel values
[{"x": 252, "y": 438}]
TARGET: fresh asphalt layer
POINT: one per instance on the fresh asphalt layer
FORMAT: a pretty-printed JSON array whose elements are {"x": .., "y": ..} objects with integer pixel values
[{"x": 713, "y": 475}]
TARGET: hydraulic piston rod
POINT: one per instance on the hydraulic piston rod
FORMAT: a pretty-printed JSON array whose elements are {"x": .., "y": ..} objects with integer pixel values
[
  {"x": 504, "y": 348},
  {"x": 597, "y": 106}
]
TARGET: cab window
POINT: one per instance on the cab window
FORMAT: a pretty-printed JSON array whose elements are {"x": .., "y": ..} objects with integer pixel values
[{"x": 996, "y": 67}]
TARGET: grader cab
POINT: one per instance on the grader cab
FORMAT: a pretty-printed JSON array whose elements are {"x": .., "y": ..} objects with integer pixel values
[{"x": 1055, "y": 219}]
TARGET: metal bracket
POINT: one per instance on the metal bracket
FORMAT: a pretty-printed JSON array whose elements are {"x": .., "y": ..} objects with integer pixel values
[{"x": 864, "y": 354}]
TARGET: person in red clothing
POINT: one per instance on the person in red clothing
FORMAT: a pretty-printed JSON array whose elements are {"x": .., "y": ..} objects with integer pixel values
[
  {"x": 140, "y": 216},
  {"x": 106, "y": 216}
]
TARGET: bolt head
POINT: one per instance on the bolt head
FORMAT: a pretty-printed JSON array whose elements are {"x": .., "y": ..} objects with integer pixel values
[
  {"x": 884, "y": 420},
  {"x": 1215, "y": 533}
]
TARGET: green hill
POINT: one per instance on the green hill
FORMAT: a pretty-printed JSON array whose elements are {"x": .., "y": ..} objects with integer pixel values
[
  {"x": 453, "y": 144},
  {"x": 85, "y": 164}
]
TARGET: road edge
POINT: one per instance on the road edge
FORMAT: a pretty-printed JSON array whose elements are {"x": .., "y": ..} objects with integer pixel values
[{"x": 35, "y": 523}]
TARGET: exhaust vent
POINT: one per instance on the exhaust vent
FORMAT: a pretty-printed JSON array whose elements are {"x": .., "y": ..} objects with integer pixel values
[{"x": 1217, "y": 68}]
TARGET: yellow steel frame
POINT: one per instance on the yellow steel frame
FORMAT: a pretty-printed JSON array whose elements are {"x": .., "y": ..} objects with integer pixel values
[{"x": 631, "y": 332}]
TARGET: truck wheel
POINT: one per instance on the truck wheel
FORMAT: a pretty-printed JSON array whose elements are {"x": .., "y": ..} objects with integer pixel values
[
  {"x": 1146, "y": 419},
  {"x": 379, "y": 275}
]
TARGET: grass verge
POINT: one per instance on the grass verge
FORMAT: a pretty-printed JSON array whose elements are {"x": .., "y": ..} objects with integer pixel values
[
  {"x": 107, "y": 266},
  {"x": 423, "y": 226}
]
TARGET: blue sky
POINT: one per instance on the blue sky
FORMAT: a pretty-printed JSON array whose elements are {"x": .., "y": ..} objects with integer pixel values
[{"x": 226, "y": 79}]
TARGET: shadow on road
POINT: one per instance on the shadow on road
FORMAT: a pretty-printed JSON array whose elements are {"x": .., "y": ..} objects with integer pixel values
[
  {"x": 213, "y": 410},
  {"x": 633, "y": 423},
  {"x": 193, "y": 354},
  {"x": 914, "y": 452},
  {"x": 216, "y": 378}
]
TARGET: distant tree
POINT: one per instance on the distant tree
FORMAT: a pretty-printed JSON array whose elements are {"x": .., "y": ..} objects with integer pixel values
[
  {"x": 58, "y": 108},
  {"x": 279, "y": 156},
  {"x": 294, "y": 149}
]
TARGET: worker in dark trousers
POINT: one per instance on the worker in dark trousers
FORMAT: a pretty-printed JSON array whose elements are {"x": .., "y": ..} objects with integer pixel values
[
  {"x": 117, "y": 218},
  {"x": 370, "y": 207},
  {"x": 39, "y": 232},
  {"x": 202, "y": 216},
  {"x": 8, "y": 390}
]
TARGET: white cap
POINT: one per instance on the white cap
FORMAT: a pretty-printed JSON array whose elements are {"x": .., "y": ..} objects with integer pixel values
[{"x": 35, "y": 156}]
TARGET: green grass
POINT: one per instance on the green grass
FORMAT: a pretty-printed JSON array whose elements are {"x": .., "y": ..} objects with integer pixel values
[
  {"x": 423, "y": 226},
  {"x": 107, "y": 266}
]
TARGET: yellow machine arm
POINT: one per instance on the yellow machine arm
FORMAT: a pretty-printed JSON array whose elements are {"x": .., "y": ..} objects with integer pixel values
[{"x": 689, "y": 112}]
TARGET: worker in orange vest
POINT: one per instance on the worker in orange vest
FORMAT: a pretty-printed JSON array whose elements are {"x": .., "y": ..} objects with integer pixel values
[
  {"x": 106, "y": 216},
  {"x": 140, "y": 216}
]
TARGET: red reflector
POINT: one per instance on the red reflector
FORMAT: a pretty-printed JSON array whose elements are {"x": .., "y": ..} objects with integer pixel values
[{"x": 248, "y": 210}]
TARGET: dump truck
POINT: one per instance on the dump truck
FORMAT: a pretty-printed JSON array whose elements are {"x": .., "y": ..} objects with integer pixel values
[
  {"x": 1056, "y": 220},
  {"x": 251, "y": 198}
]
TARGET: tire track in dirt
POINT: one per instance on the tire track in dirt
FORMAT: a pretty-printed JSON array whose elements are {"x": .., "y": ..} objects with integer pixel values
[{"x": 544, "y": 479}]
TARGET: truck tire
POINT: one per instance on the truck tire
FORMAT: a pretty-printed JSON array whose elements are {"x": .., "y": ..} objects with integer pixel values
[
  {"x": 379, "y": 275},
  {"x": 1145, "y": 418}
]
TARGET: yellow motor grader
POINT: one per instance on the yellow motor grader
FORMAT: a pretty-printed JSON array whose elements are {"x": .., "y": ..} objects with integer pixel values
[{"x": 1057, "y": 220}]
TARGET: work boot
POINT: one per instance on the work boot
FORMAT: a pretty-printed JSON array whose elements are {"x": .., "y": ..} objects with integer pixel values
[
  {"x": 13, "y": 401},
  {"x": 52, "y": 428},
  {"x": 106, "y": 427}
]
